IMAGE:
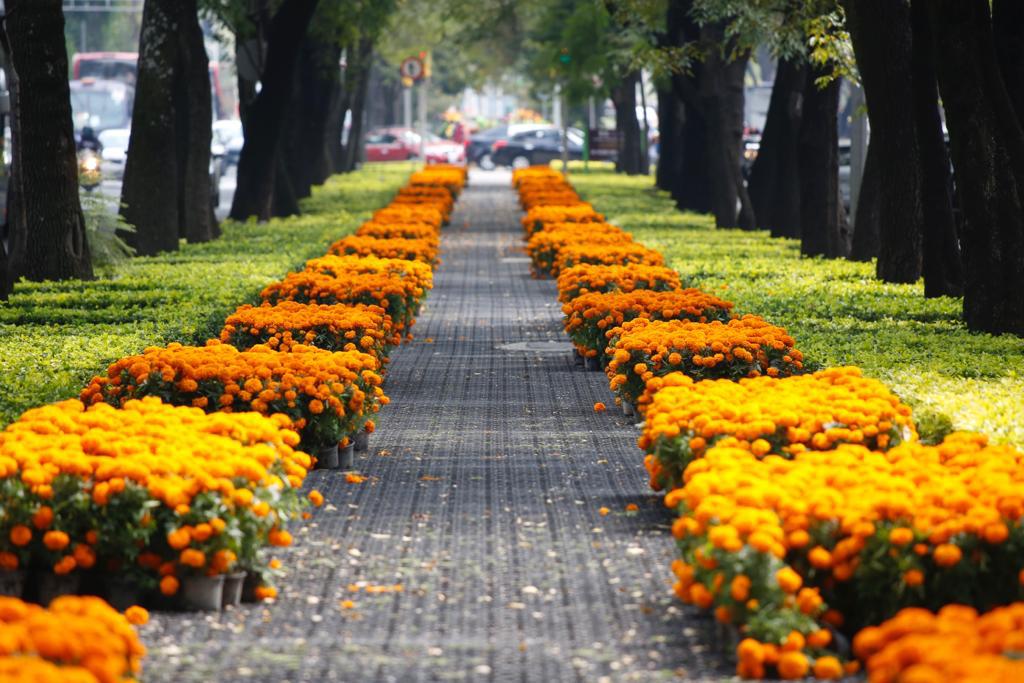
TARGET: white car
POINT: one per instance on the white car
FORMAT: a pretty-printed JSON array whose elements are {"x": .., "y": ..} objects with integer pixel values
[{"x": 114, "y": 142}]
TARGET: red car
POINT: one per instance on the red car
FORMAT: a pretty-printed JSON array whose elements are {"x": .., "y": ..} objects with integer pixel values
[{"x": 391, "y": 144}]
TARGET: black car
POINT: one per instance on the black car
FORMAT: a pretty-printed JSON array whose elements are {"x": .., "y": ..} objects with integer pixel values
[
  {"x": 480, "y": 146},
  {"x": 535, "y": 147}
]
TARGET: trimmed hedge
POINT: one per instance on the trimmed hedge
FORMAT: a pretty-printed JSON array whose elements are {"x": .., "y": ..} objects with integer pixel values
[
  {"x": 838, "y": 311},
  {"x": 54, "y": 336}
]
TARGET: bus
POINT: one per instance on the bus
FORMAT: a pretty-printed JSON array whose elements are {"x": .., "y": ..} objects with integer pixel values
[{"x": 123, "y": 66}]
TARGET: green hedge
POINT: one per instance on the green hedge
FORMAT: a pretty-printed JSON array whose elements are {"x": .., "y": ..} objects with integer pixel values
[
  {"x": 54, "y": 336},
  {"x": 837, "y": 311}
]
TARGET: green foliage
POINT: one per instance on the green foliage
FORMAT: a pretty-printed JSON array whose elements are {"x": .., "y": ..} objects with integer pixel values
[
  {"x": 54, "y": 336},
  {"x": 836, "y": 309}
]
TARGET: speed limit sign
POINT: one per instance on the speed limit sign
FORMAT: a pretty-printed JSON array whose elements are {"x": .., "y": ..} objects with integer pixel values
[{"x": 412, "y": 68}]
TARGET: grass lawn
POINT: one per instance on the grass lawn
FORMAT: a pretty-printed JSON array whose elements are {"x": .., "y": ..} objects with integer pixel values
[
  {"x": 837, "y": 311},
  {"x": 55, "y": 336}
]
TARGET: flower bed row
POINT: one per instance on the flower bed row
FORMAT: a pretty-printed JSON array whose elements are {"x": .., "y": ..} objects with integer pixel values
[
  {"x": 179, "y": 468},
  {"x": 807, "y": 509}
]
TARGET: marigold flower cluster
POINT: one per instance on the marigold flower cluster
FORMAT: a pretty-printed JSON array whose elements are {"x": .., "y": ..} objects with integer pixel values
[
  {"x": 642, "y": 349},
  {"x": 422, "y": 249},
  {"x": 587, "y": 278},
  {"x": 765, "y": 415},
  {"x": 338, "y": 327},
  {"x": 545, "y": 246},
  {"x": 158, "y": 491},
  {"x": 816, "y": 533},
  {"x": 75, "y": 640},
  {"x": 329, "y": 396},
  {"x": 452, "y": 177},
  {"x": 955, "y": 644},
  {"x": 590, "y": 318}
]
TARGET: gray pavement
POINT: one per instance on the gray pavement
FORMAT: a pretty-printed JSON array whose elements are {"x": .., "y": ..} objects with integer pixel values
[{"x": 475, "y": 550}]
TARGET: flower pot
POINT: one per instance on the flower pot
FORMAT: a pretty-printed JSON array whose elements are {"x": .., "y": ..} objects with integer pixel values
[
  {"x": 12, "y": 583},
  {"x": 122, "y": 592},
  {"x": 327, "y": 458},
  {"x": 55, "y": 585},
  {"x": 362, "y": 441},
  {"x": 346, "y": 454},
  {"x": 233, "y": 584},
  {"x": 627, "y": 409},
  {"x": 577, "y": 357},
  {"x": 594, "y": 364},
  {"x": 250, "y": 583},
  {"x": 203, "y": 592}
]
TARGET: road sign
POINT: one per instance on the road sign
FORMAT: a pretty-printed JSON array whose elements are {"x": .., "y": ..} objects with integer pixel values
[{"x": 411, "y": 68}]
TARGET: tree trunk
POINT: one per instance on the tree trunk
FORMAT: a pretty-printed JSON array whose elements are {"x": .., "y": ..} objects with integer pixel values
[
  {"x": 880, "y": 30},
  {"x": 257, "y": 164},
  {"x": 721, "y": 100},
  {"x": 819, "y": 171},
  {"x": 690, "y": 184},
  {"x": 865, "y": 230},
  {"x": 316, "y": 76},
  {"x": 942, "y": 267},
  {"x": 774, "y": 184},
  {"x": 357, "y": 83},
  {"x": 1008, "y": 30},
  {"x": 630, "y": 155},
  {"x": 988, "y": 160},
  {"x": 198, "y": 222},
  {"x": 669, "y": 125},
  {"x": 47, "y": 237}
]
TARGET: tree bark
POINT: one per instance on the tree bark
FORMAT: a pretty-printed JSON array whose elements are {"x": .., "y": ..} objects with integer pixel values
[
  {"x": 198, "y": 222},
  {"x": 166, "y": 189},
  {"x": 988, "y": 160},
  {"x": 630, "y": 155},
  {"x": 669, "y": 126},
  {"x": 47, "y": 237},
  {"x": 357, "y": 82},
  {"x": 257, "y": 164},
  {"x": 942, "y": 266},
  {"x": 865, "y": 229},
  {"x": 819, "y": 171},
  {"x": 774, "y": 184},
  {"x": 721, "y": 100},
  {"x": 880, "y": 30},
  {"x": 1008, "y": 30}
]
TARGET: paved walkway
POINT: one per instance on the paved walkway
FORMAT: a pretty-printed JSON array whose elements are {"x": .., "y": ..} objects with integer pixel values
[{"x": 485, "y": 482}]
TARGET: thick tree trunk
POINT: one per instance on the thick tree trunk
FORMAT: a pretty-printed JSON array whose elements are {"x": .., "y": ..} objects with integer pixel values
[
  {"x": 630, "y": 159},
  {"x": 988, "y": 159},
  {"x": 690, "y": 184},
  {"x": 306, "y": 153},
  {"x": 47, "y": 237},
  {"x": 819, "y": 171},
  {"x": 721, "y": 100},
  {"x": 774, "y": 184},
  {"x": 166, "y": 189},
  {"x": 669, "y": 126},
  {"x": 865, "y": 230},
  {"x": 942, "y": 267},
  {"x": 880, "y": 30},
  {"x": 254, "y": 194},
  {"x": 198, "y": 222},
  {"x": 357, "y": 83},
  {"x": 150, "y": 191},
  {"x": 1008, "y": 30}
]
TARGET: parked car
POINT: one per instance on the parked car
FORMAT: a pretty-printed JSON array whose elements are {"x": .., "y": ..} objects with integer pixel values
[
  {"x": 441, "y": 151},
  {"x": 390, "y": 145},
  {"x": 114, "y": 152},
  {"x": 536, "y": 147},
  {"x": 478, "y": 151}
]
